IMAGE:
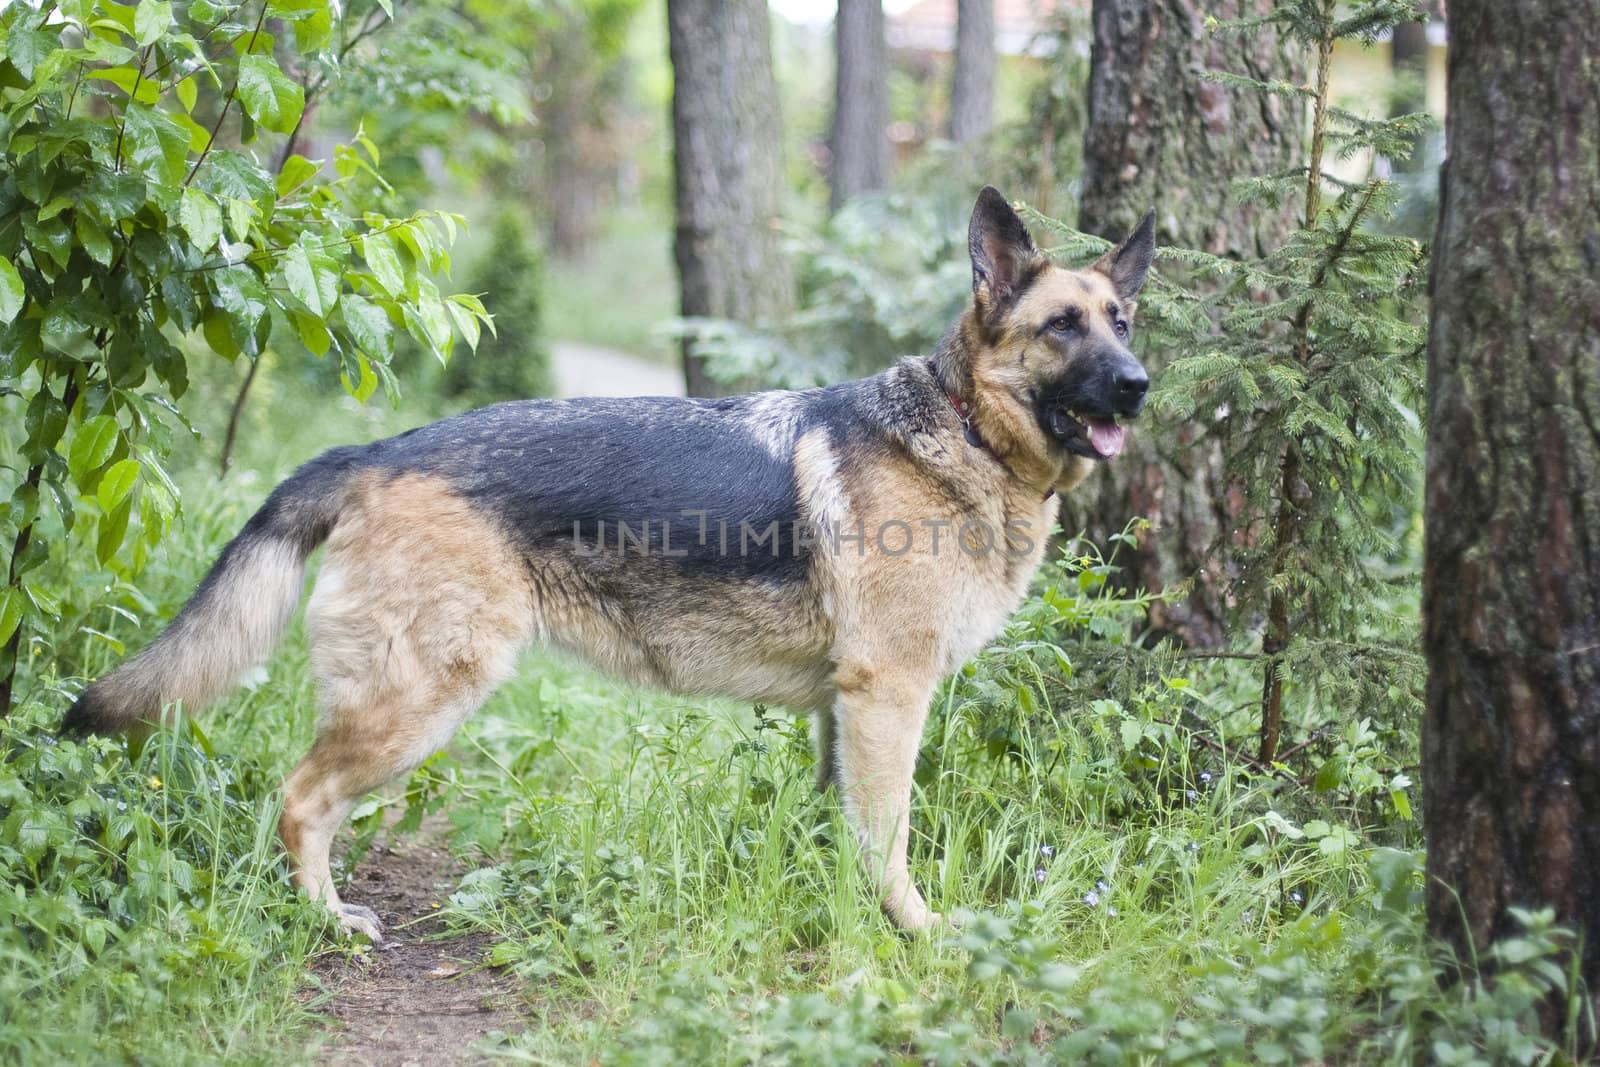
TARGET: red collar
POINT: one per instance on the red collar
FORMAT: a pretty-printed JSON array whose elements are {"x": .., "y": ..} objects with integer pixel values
[{"x": 964, "y": 413}]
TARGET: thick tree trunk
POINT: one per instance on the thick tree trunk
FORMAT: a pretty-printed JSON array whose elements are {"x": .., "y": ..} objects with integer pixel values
[
  {"x": 859, "y": 143},
  {"x": 1511, "y": 584},
  {"x": 1159, "y": 136},
  {"x": 727, "y": 167},
  {"x": 972, "y": 90}
]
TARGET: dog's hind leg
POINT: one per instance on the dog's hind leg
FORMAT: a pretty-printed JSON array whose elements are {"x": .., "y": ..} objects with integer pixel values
[
  {"x": 359, "y": 749},
  {"x": 418, "y": 614}
]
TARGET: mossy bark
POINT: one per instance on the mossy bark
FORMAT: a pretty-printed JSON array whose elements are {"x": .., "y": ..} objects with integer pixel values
[
  {"x": 1511, "y": 586},
  {"x": 1161, "y": 136}
]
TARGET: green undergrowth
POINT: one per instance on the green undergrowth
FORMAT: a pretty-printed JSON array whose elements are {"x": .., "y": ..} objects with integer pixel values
[{"x": 662, "y": 883}]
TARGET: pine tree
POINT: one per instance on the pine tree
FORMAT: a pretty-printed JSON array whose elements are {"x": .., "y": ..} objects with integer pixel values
[{"x": 1311, "y": 378}]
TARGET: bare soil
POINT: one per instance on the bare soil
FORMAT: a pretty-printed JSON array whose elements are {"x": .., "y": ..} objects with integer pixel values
[{"x": 414, "y": 999}]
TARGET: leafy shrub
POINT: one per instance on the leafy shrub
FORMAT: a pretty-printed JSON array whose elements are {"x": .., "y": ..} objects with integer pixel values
[
  {"x": 514, "y": 362},
  {"x": 139, "y": 226},
  {"x": 147, "y": 910}
]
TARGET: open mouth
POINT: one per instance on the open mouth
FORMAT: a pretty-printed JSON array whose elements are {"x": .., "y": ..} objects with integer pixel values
[{"x": 1093, "y": 436}]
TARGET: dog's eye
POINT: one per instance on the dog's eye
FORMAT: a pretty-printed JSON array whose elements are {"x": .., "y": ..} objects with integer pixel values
[
  {"x": 1063, "y": 323},
  {"x": 1121, "y": 328}
]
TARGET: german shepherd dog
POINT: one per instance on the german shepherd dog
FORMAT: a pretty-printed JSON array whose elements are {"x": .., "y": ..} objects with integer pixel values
[{"x": 836, "y": 551}]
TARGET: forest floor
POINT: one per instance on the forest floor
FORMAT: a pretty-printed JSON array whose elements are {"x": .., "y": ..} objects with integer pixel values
[{"x": 416, "y": 998}]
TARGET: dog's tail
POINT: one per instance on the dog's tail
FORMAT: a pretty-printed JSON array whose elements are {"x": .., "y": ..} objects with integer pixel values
[{"x": 237, "y": 614}]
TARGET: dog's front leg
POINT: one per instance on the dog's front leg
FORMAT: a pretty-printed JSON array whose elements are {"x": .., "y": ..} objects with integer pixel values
[{"x": 878, "y": 719}]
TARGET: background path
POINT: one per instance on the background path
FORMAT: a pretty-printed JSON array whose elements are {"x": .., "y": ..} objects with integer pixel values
[{"x": 589, "y": 370}]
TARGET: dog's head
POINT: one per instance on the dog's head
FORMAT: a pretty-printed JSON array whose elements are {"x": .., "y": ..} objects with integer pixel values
[{"x": 1052, "y": 344}]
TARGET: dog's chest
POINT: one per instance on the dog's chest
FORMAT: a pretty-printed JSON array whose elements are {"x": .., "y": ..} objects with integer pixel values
[{"x": 993, "y": 585}]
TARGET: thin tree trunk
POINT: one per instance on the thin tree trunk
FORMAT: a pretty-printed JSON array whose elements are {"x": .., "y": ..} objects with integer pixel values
[
  {"x": 1408, "y": 64},
  {"x": 1511, "y": 583},
  {"x": 727, "y": 168},
  {"x": 972, "y": 90},
  {"x": 225, "y": 461},
  {"x": 1159, "y": 136},
  {"x": 859, "y": 143},
  {"x": 11, "y": 652}
]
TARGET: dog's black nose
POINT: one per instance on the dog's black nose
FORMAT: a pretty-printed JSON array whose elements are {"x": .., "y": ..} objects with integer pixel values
[{"x": 1131, "y": 384}]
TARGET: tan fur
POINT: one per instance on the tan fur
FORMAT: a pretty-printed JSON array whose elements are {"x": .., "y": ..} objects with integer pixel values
[
  {"x": 418, "y": 613},
  {"x": 207, "y": 649}
]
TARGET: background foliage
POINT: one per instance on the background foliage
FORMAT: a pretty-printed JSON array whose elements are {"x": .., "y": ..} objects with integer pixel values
[{"x": 196, "y": 196}]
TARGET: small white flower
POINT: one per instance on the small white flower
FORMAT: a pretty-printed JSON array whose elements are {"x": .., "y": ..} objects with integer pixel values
[
  {"x": 1047, "y": 851},
  {"x": 1092, "y": 899},
  {"x": 1039, "y": 875}
]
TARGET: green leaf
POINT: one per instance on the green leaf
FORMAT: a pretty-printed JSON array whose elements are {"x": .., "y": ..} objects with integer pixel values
[
  {"x": 313, "y": 333},
  {"x": 117, "y": 482},
  {"x": 144, "y": 90},
  {"x": 268, "y": 94},
  {"x": 430, "y": 323},
  {"x": 1329, "y": 775},
  {"x": 188, "y": 90},
  {"x": 241, "y": 213},
  {"x": 311, "y": 278},
  {"x": 1132, "y": 732},
  {"x": 95, "y": 441},
  {"x": 11, "y": 607},
  {"x": 369, "y": 326},
  {"x": 1402, "y": 804},
  {"x": 201, "y": 217},
  {"x": 384, "y": 259},
  {"x": 150, "y": 20},
  {"x": 55, "y": 207},
  {"x": 219, "y": 335},
  {"x": 297, "y": 170},
  {"x": 113, "y": 197},
  {"x": 364, "y": 381},
  {"x": 312, "y": 33},
  {"x": 466, "y": 322},
  {"x": 113, "y": 528},
  {"x": 12, "y": 293},
  {"x": 93, "y": 237},
  {"x": 157, "y": 145}
]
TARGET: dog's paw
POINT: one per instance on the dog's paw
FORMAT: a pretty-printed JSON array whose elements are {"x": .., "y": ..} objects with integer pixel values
[
  {"x": 359, "y": 920},
  {"x": 915, "y": 917}
]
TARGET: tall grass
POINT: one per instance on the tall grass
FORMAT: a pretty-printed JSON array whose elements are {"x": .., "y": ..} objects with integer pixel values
[{"x": 665, "y": 885}]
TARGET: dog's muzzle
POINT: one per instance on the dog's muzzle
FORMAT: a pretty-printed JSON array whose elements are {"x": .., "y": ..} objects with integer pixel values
[{"x": 1085, "y": 420}]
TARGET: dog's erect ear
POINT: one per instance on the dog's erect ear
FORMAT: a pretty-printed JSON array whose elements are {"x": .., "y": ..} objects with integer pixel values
[
  {"x": 1000, "y": 246},
  {"x": 1128, "y": 263}
]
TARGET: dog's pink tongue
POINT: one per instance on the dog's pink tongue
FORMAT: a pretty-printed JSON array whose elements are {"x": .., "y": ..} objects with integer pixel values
[{"x": 1106, "y": 436}]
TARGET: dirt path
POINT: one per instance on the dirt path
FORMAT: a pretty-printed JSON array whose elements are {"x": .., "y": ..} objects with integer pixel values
[
  {"x": 412, "y": 1000},
  {"x": 588, "y": 370}
]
